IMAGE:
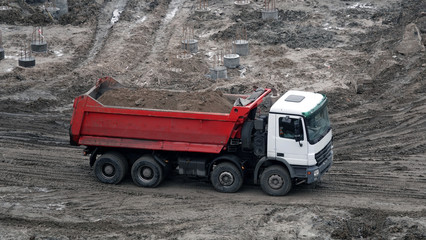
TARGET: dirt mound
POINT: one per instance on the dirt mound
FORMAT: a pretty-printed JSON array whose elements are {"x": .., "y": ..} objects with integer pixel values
[
  {"x": 14, "y": 15},
  {"x": 168, "y": 100},
  {"x": 81, "y": 12},
  {"x": 291, "y": 28},
  {"x": 33, "y": 13},
  {"x": 376, "y": 224}
]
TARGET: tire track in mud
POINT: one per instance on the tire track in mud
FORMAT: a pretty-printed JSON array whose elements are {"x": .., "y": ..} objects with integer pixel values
[
  {"x": 37, "y": 168},
  {"x": 103, "y": 28},
  {"x": 379, "y": 140},
  {"x": 140, "y": 219},
  {"x": 163, "y": 35},
  {"x": 161, "y": 41},
  {"x": 35, "y": 151}
]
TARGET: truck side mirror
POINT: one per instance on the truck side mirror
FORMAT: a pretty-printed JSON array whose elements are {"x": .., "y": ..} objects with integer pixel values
[{"x": 298, "y": 133}]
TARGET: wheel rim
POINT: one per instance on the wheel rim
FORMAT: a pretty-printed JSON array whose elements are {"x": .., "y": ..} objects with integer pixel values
[
  {"x": 275, "y": 181},
  {"x": 226, "y": 178},
  {"x": 108, "y": 170},
  {"x": 146, "y": 173}
]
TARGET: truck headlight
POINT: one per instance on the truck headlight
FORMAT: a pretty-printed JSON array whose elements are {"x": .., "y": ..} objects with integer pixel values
[{"x": 316, "y": 173}]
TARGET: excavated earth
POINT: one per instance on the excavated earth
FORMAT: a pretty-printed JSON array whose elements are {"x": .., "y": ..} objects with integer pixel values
[
  {"x": 168, "y": 100},
  {"x": 368, "y": 57}
]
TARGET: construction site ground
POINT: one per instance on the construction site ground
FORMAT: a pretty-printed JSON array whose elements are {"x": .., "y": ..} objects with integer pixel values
[{"x": 368, "y": 57}]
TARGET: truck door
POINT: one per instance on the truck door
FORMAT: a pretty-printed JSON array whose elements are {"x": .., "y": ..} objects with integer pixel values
[{"x": 294, "y": 152}]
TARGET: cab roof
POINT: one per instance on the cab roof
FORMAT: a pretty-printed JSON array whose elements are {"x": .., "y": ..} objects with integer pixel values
[{"x": 297, "y": 102}]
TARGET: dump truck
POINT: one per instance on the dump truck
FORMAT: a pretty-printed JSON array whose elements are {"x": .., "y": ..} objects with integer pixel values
[{"x": 289, "y": 145}]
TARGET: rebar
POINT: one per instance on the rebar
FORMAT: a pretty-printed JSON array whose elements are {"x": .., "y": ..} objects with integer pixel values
[
  {"x": 269, "y": 5},
  {"x": 218, "y": 58},
  {"x": 188, "y": 33},
  {"x": 38, "y": 35},
  {"x": 1, "y": 40},
  {"x": 241, "y": 33},
  {"x": 240, "y": 42},
  {"x": 189, "y": 44},
  {"x": 229, "y": 48},
  {"x": 203, "y": 4},
  {"x": 218, "y": 71},
  {"x": 26, "y": 52},
  {"x": 172, "y": 62}
]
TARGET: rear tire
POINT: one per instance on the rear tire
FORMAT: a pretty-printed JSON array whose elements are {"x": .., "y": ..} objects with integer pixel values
[
  {"x": 111, "y": 167},
  {"x": 275, "y": 181},
  {"x": 226, "y": 178},
  {"x": 146, "y": 172}
]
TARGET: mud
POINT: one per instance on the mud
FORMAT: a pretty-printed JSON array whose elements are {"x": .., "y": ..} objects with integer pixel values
[
  {"x": 35, "y": 13},
  {"x": 349, "y": 50},
  {"x": 167, "y": 100}
]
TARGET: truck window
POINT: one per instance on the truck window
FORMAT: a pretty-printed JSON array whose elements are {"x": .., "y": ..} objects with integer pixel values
[
  {"x": 318, "y": 125},
  {"x": 286, "y": 128}
]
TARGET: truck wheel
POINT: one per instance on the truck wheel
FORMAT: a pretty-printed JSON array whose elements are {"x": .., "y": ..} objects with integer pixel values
[
  {"x": 226, "y": 178},
  {"x": 275, "y": 181},
  {"x": 111, "y": 167},
  {"x": 146, "y": 172}
]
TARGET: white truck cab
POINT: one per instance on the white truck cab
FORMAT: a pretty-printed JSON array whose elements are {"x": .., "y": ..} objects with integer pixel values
[{"x": 300, "y": 136}]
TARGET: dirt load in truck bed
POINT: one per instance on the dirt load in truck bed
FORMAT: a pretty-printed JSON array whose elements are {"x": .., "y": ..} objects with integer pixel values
[{"x": 168, "y": 100}]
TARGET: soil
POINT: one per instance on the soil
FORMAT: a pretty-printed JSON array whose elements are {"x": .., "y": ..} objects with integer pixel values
[
  {"x": 167, "y": 100},
  {"x": 366, "y": 56}
]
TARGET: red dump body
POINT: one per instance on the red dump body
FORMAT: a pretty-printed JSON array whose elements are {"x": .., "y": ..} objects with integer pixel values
[{"x": 93, "y": 124}]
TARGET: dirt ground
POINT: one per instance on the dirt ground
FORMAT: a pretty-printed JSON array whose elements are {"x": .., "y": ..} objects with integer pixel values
[{"x": 367, "y": 56}]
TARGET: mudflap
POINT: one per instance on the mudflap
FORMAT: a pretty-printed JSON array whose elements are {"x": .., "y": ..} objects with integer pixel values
[{"x": 93, "y": 157}]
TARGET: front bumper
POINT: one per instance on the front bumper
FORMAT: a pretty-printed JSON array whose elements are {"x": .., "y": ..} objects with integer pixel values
[{"x": 314, "y": 173}]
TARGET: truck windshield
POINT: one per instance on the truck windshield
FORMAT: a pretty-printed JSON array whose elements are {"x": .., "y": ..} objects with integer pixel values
[{"x": 318, "y": 125}]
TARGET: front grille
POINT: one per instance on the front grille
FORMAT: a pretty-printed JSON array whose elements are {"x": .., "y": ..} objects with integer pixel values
[{"x": 324, "y": 154}]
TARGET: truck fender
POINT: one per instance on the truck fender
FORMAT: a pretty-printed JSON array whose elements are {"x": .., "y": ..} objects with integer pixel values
[
  {"x": 93, "y": 157},
  {"x": 246, "y": 135},
  {"x": 265, "y": 160},
  {"x": 72, "y": 142},
  {"x": 159, "y": 160},
  {"x": 226, "y": 158}
]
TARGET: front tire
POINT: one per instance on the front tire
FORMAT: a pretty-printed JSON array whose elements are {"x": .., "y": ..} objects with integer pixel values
[
  {"x": 111, "y": 167},
  {"x": 226, "y": 178},
  {"x": 275, "y": 181},
  {"x": 146, "y": 172}
]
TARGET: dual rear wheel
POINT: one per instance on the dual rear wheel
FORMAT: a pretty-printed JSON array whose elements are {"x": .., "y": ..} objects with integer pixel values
[
  {"x": 146, "y": 172},
  {"x": 112, "y": 167}
]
